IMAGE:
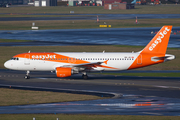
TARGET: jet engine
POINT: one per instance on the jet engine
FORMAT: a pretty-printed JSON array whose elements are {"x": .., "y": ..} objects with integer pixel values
[{"x": 63, "y": 72}]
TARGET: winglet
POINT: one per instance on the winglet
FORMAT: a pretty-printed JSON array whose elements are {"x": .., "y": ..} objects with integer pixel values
[{"x": 160, "y": 41}]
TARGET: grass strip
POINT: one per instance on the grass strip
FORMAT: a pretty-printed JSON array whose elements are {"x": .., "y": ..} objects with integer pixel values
[
  {"x": 83, "y": 24},
  {"x": 139, "y": 9},
  {"x": 43, "y": 15},
  {"x": 145, "y": 74},
  {"x": 9, "y": 52},
  {"x": 83, "y": 117},
  {"x": 11, "y": 40},
  {"x": 23, "y": 97}
]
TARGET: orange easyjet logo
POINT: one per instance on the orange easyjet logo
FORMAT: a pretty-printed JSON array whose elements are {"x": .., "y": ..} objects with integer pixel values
[{"x": 159, "y": 39}]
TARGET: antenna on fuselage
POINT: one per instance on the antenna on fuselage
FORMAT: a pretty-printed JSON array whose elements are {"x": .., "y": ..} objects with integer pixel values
[
  {"x": 103, "y": 51},
  {"x": 29, "y": 51}
]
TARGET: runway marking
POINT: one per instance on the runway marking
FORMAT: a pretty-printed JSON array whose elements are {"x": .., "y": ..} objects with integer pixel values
[
  {"x": 57, "y": 79},
  {"x": 166, "y": 87},
  {"x": 124, "y": 83},
  {"x": 152, "y": 113},
  {"x": 65, "y": 79},
  {"x": 8, "y": 75}
]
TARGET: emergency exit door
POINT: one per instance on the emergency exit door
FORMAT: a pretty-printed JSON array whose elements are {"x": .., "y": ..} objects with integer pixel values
[
  {"x": 27, "y": 59},
  {"x": 139, "y": 60}
]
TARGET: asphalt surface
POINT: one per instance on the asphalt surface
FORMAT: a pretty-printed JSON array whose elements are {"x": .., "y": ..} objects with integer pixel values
[
  {"x": 130, "y": 95},
  {"x": 90, "y": 17},
  {"x": 112, "y": 36}
]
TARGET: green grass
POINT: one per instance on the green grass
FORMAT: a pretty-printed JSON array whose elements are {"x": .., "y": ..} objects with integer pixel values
[
  {"x": 11, "y": 40},
  {"x": 83, "y": 117},
  {"x": 43, "y": 15},
  {"x": 145, "y": 74},
  {"x": 23, "y": 97},
  {"x": 83, "y": 24},
  {"x": 139, "y": 9},
  {"x": 8, "y": 52}
]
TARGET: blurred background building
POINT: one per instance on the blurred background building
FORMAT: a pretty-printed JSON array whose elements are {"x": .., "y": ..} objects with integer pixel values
[{"x": 85, "y": 2}]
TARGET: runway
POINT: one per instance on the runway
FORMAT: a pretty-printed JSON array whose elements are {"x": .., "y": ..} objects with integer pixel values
[
  {"x": 111, "y": 36},
  {"x": 88, "y": 16},
  {"x": 131, "y": 95}
]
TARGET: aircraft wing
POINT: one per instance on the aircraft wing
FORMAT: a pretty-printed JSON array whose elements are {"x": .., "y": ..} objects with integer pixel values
[{"x": 87, "y": 65}]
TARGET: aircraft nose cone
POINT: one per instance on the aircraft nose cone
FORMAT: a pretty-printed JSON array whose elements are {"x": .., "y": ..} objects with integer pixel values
[{"x": 7, "y": 64}]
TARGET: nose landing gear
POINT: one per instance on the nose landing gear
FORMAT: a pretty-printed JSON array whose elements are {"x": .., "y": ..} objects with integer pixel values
[{"x": 27, "y": 75}]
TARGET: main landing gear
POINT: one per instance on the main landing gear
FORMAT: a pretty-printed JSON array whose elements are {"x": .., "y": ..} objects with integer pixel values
[
  {"x": 27, "y": 75},
  {"x": 84, "y": 76}
]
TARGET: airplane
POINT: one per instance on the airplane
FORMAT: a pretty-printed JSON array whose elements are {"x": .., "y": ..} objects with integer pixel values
[{"x": 66, "y": 64}]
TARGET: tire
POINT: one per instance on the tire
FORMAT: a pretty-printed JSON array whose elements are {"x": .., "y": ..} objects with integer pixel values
[
  {"x": 27, "y": 77},
  {"x": 85, "y": 77}
]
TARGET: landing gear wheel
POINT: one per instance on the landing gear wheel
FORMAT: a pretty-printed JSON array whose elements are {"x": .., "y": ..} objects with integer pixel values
[
  {"x": 85, "y": 77},
  {"x": 27, "y": 77}
]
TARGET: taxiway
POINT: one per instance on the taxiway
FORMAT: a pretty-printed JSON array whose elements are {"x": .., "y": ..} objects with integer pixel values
[{"x": 130, "y": 95}]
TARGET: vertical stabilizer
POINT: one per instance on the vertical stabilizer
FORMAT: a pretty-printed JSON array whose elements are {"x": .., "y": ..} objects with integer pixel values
[{"x": 160, "y": 41}]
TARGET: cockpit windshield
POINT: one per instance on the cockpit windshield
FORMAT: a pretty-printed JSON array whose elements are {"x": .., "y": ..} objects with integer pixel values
[{"x": 14, "y": 58}]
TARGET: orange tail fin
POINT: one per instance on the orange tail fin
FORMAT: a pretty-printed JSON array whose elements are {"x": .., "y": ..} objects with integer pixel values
[{"x": 160, "y": 41}]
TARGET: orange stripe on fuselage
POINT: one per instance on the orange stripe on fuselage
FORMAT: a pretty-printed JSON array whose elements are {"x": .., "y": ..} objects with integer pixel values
[
  {"x": 146, "y": 60},
  {"x": 56, "y": 58}
]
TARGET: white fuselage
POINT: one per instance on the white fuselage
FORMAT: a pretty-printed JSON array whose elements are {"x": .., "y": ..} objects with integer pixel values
[{"x": 116, "y": 61}]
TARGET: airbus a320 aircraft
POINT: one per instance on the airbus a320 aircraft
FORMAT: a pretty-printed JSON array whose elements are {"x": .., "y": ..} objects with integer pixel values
[{"x": 68, "y": 63}]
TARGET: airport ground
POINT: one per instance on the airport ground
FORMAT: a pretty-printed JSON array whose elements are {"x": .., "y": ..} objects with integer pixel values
[
  {"x": 11, "y": 97},
  {"x": 139, "y": 9},
  {"x": 90, "y": 12},
  {"x": 25, "y": 25},
  {"x": 151, "y": 89},
  {"x": 83, "y": 24},
  {"x": 83, "y": 117}
]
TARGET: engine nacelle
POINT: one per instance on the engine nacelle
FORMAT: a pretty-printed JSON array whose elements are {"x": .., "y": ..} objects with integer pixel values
[{"x": 63, "y": 72}]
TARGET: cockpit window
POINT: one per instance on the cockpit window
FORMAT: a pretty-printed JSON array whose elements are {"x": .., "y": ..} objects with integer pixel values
[{"x": 15, "y": 58}]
